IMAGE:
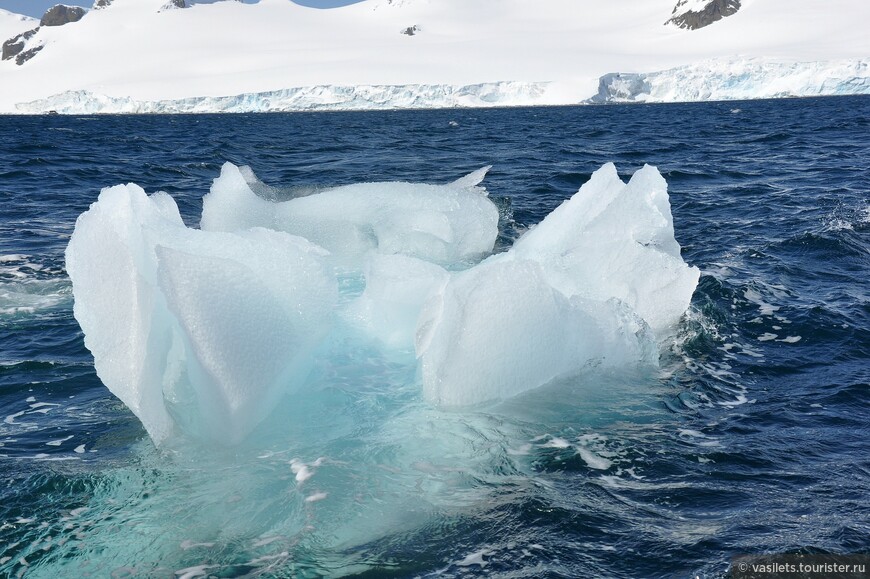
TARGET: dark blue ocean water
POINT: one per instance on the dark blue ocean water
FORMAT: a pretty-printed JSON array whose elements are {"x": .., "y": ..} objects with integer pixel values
[{"x": 754, "y": 437}]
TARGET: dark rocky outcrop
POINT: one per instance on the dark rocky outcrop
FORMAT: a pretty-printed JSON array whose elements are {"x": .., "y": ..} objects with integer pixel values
[
  {"x": 15, "y": 45},
  {"x": 411, "y": 30},
  {"x": 59, "y": 15},
  {"x": 55, "y": 16},
  {"x": 712, "y": 12},
  {"x": 28, "y": 54},
  {"x": 100, "y": 4},
  {"x": 173, "y": 4}
]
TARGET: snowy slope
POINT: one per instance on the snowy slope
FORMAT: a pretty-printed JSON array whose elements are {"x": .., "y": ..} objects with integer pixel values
[
  {"x": 132, "y": 50},
  {"x": 12, "y": 24}
]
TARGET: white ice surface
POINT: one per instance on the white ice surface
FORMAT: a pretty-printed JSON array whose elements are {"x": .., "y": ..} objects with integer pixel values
[
  {"x": 201, "y": 332},
  {"x": 616, "y": 240},
  {"x": 501, "y": 329},
  {"x": 547, "y": 52},
  {"x": 396, "y": 287},
  {"x": 193, "y": 330},
  {"x": 592, "y": 284},
  {"x": 438, "y": 223}
]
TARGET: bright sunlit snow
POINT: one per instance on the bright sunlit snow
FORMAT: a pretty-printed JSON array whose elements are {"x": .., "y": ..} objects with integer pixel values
[
  {"x": 12, "y": 24},
  {"x": 277, "y": 55}
]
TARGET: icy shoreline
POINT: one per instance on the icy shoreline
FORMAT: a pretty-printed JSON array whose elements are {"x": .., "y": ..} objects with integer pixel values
[
  {"x": 718, "y": 80},
  {"x": 739, "y": 79}
]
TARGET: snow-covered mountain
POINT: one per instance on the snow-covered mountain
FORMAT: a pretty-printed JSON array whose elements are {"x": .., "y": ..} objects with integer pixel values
[
  {"x": 12, "y": 24},
  {"x": 141, "y": 55}
]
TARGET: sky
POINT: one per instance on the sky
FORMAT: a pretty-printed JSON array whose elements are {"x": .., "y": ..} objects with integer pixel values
[{"x": 37, "y": 8}]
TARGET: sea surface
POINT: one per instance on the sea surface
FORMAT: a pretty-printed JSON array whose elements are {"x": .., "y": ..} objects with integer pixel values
[{"x": 752, "y": 437}]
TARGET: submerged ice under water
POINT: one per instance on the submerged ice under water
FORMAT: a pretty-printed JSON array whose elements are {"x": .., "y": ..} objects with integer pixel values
[{"x": 749, "y": 436}]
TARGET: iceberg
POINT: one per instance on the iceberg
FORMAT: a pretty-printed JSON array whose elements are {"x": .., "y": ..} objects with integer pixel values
[{"x": 202, "y": 332}]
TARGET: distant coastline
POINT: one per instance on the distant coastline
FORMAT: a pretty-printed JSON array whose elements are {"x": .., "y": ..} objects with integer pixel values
[{"x": 708, "y": 81}]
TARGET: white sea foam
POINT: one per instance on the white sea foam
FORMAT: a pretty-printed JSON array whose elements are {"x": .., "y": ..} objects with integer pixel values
[{"x": 30, "y": 287}]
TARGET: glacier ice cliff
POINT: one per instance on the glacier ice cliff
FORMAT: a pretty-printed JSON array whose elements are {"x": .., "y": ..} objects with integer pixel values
[
  {"x": 737, "y": 80},
  {"x": 312, "y": 98},
  {"x": 201, "y": 332},
  {"x": 721, "y": 79}
]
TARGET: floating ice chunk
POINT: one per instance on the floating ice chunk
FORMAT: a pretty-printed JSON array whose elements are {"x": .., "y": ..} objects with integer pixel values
[
  {"x": 58, "y": 442},
  {"x": 438, "y": 223},
  {"x": 191, "y": 329},
  {"x": 114, "y": 288},
  {"x": 613, "y": 240}
]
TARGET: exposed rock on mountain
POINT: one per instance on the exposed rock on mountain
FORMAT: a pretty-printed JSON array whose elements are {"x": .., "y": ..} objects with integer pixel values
[
  {"x": 173, "y": 4},
  {"x": 15, "y": 45},
  {"x": 126, "y": 54},
  {"x": 59, "y": 15},
  {"x": 692, "y": 14},
  {"x": 28, "y": 54}
]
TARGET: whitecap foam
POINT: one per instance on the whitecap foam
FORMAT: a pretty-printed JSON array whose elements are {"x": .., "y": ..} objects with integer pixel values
[{"x": 28, "y": 287}]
